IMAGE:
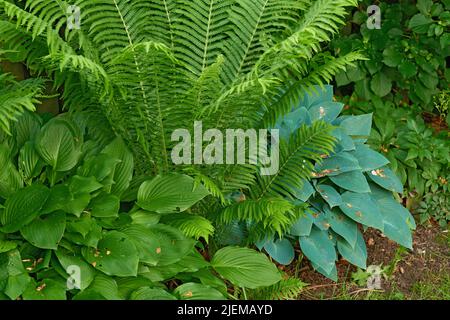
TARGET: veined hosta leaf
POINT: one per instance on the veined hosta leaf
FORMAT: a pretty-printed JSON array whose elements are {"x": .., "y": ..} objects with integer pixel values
[
  {"x": 47, "y": 289},
  {"x": 330, "y": 195},
  {"x": 337, "y": 164},
  {"x": 30, "y": 164},
  {"x": 105, "y": 206},
  {"x": 61, "y": 198},
  {"x": 102, "y": 288},
  {"x": 13, "y": 276},
  {"x": 387, "y": 179},
  {"x": 327, "y": 110},
  {"x": 356, "y": 254},
  {"x": 198, "y": 291},
  {"x": 123, "y": 172},
  {"x": 319, "y": 248},
  {"x": 10, "y": 179},
  {"x": 305, "y": 192},
  {"x": 56, "y": 145},
  {"x": 245, "y": 267},
  {"x": 281, "y": 250},
  {"x": 363, "y": 209},
  {"x": 159, "y": 245},
  {"x": 45, "y": 232},
  {"x": 22, "y": 207},
  {"x": 369, "y": 159},
  {"x": 342, "y": 225},
  {"x": 353, "y": 181},
  {"x": 170, "y": 193},
  {"x": 145, "y": 218},
  {"x": 116, "y": 255},
  {"x": 70, "y": 262},
  {"x": 100, "y": 166},
  {"x": 147, "y": 293}
]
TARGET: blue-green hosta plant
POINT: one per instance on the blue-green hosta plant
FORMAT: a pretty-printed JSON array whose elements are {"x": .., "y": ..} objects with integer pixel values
[
  {"x": 351, "y": 187},
  {"x": 67, "y": 233}
]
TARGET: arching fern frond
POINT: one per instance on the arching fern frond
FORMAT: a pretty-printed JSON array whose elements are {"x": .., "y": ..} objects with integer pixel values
[{"x": 194, "y": 226}]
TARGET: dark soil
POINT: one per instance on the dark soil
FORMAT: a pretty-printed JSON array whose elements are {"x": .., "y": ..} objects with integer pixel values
[{"x": 430, "y": 256}]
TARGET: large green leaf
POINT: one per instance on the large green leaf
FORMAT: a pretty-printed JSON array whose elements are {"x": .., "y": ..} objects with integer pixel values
[
  {"x": 23, "y": 207},
  {"x": 47, "y": 289},
  {"x": 357, "y": 125},
  {"x": 356, "y": 254},
  {"x": 302, "y": 227},
  {"x": 363, "y": 209},
  {"x": 337, "y": 164},
  {"x": 369, "y": 159},
  {"x": 245, "y": 267},
  {"x": 105, "y": 206},
  {"x": 197, "y": 291},
  {"x": 102, "y": 288},
  {"x": 79, "y": 184},
  {"x": 73, "y": 263},
  {"x": 170, "y": 193},
  {"x": 330, "y": 195},
  {"x": 146, "y": 293},
  {"x": 57, "y": 146},
  {"x": 115, "y": 255},
  {"x": 45, "y": 232},
  {"x": 281, "y": 250},
  {"x": 159, "y": 245},
  {"x": 381, "y": 84},
  {"x": 387, "y": 179},
  {"x": 30, "y": 164},
  {"x": 319, "y": 248},
  {"x": 123, "y": 172},
  {"x": 354, "y": 181},
  {"x": 10, "y": 179},
  {"x": 342, "y": 225}
]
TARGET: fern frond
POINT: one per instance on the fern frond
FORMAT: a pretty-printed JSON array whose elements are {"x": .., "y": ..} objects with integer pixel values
[
  {"x": 286, "y": 289},
  {"x": 297, "y": 158},
  {"x": 191, "y": 225}
]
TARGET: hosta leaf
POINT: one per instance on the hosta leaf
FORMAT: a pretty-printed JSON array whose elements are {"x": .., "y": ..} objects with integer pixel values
[
  {"x": 327, "y": 110},
  {"x": 102, "y": 288},
  {"x": 159, "y": 245},
  {"x": 99, "y": 166},
  {"x": 387, "y": 179},
  {"x": 363, "y": 209},
  {"x": 130, "y": 284},
  {"x": 245, "y": 267},
  {"x": 71, "y": 263},
  {"x": 79, "y": 184},
  {"x": 6, "y": 246},
  {"x": 331, "y": 274},
  {"x": 342, "y": 225},
  {"x": 30, "y": 164},
  {"x": 337, "y": 164},
  {"x": 303, "y": 226},
  {"x": 145, "y": 218},
  {"x": 170, "y": 193},
  {"x": 353, "y": 181},
  {"x": 45, "y": 232},
  {"x": 10, "y": 179},
  {"x": 116, "y": 255},
  {"x": 305, "y": 192},
  {"x": 319, "y": 248},
  {"x": 197, "y": 291},
  {"x": 357, "y": 125},
  {"x": 105, "y": 206},
  {"x": 356, "y": 254},
  {"x": 147, "y": 293},
  {"x": 22, "y": 207},
  {"x": 369, "y": 159},
  {"x": 281, "y": 250},
  {"x": 123, "y": 172},
  {"x": 13, "y": 274},
  {"x": 330, "y": 195},
  {"x": 46, "y": 289},
  {"x": 61, "y": 198},
  {"x": 56, "y": 145}
]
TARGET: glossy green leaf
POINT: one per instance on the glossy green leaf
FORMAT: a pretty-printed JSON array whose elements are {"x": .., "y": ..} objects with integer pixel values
[
  {"x": 197, "y": 291},
  {"x": 356, "y": 254},
  {"x": 46, "y": 231},
  {"x": 23, "y": 207},
  {"x": 47, "y": 289},
  {"x": 303, "y": 226},
  {"x": 170, "y": 193},
  {"x": 330, "y": 195},
  {"x": 342, "y": 225},
  {"x": 281, "y": 250},
  {"x": 245, "y": 267},
  {"x": 337, "y": 164},
  {"x": 357, "y": 125},
  {"x": 73, "y": 263},
  {"x": 387, "y": 179},
  {"x": 79, "y": 184},
  {"x": 369, "y": 159},
  {"x": 116, "y": 255},
  {"x": 147, "y": 293},
  {"x": 105, "y": 206}
]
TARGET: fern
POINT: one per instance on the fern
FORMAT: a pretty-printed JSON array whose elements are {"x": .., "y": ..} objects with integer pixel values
[
  {"x": 191, "y": 225},
  {"x": 286, "y": 289}
]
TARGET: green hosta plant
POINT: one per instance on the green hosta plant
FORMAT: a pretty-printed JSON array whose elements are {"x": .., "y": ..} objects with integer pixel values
[
  {"x": 350, "y": 187},
  {"x": 67, "y": 232}
]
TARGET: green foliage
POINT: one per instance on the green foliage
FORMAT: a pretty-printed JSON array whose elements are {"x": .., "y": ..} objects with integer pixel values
[
  {"x": 406, "y": 57},
  {"x": 69, "y": 214}
]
